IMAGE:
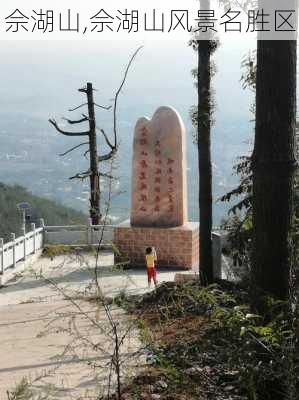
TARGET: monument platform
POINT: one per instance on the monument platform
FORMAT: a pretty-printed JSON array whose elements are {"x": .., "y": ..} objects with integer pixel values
[{"x": 176, "y": 247}]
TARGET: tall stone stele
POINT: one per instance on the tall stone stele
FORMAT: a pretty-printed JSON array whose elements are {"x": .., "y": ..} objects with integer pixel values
[
  {"x": 159, "y": 215},
  {"x": 159, "y": 180}
]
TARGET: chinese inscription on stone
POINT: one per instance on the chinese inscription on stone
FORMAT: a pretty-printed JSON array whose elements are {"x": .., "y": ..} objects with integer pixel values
[{"x": 159, "y": 197}]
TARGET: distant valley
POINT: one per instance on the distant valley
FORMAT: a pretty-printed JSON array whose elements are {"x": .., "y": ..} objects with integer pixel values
[{"x": 35, "y": 87}]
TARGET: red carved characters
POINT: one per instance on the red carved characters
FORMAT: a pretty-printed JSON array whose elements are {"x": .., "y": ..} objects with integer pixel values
[
  {"x": 143, "y": 177},
  {"x": 170, "y": 181},
  {"x": 156, "y": 176}
]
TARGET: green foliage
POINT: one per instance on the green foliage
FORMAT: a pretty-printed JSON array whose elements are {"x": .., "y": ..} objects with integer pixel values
[
  {"x": 121, "y": 300},
  {"x": 248, "y": 65},
  {"x": 205, "y": 115},
  {"x": 145, "y": 335},
  {"x": 53, "y": 213},
  {"x": 26, "y": 390},
  {"x": 21, "y": 391},
  {"x": 243, "y": 169},
  {"x": 239, "y": 223},
  {"x": 257, "y": 346},
  {"x": 240, "y": 241},
  {"x": 258, "y": 349},
  {"x": 56, "y": 250}
]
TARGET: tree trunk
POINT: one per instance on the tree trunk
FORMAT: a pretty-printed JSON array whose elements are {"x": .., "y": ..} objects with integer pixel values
[
  {"x": 95, "y": 214},
  {"x": 274, "y": 163},
  {"x": 204, "y": 160}
]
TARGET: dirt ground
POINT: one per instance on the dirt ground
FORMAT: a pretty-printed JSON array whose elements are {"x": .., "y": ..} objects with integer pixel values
[{"x": 50, "y": 335}]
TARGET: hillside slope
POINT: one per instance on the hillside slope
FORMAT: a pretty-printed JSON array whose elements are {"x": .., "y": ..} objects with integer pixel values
[{"x": 52, "y": 212}]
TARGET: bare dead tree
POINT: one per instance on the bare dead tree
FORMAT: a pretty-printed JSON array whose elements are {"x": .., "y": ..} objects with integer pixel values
[{"x": 94, "y": 172}]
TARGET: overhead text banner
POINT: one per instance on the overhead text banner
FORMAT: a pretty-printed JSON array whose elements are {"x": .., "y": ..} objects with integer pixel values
[{"x": 155, "y": 19}]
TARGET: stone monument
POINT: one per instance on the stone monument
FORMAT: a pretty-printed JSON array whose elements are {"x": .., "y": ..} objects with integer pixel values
[{"x": 159, "y": 215}]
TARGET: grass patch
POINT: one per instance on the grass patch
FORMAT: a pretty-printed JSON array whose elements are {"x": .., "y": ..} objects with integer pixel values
[{"x": 52, "y": 251}]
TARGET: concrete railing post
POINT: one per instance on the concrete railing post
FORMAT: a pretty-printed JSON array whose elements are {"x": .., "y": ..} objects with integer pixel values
[
  {"x": 24, "y": 243},
  {"x": 89, "y": 231},
  {"x": 33, "y": 237},
  {"x": 42, "y": 225},
  {"x": 13, "y": 239},
  {"x": 1, "y": 256}
]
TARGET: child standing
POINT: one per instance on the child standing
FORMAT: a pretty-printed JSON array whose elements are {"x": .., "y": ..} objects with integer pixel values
[{"x": 151, "y": 257}]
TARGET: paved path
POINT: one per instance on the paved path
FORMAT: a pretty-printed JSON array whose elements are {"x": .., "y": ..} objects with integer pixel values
[{"x": 60, "y": 342}]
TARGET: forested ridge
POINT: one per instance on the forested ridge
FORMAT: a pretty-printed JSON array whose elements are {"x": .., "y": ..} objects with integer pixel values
[{"x": 52, "y": 212}]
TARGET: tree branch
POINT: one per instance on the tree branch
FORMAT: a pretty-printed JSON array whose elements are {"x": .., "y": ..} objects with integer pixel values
[
  {"x": 76, "y": 108},
  {"x": 107, "y": 156},
  {"x": 107, "y": 176},
  {"x": 106, "y": 138},
  {"x": 73, "y": 148},
  {"x": 54, "y": 123},
  {"x": 76, "y": 122},
  {"x": 84, "y": 90},
  {"x": 119, "y": 91},
  {"x": 103, "y": 107},
  {"x": 82, "y": 175}
]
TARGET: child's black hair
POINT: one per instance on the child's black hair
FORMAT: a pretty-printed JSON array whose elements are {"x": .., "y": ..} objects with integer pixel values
[{"x": 148, "y": 250}]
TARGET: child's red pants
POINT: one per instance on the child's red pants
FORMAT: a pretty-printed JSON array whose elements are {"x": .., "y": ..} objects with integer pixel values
[{"x": 151, "y": 273}]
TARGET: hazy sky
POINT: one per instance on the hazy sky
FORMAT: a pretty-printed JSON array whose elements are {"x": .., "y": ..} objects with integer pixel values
[{"x": 48, "y": 73}]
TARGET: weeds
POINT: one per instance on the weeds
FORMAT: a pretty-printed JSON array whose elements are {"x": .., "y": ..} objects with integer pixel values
[
  {"x": 56, "y": 250},
  {"x": 209, "y": 338}
]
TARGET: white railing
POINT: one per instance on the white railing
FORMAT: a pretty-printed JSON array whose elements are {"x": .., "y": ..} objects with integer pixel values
[
  {"x": 20, "y": 248},
  {"x": 79, "y": 235},
  {"x": 24, "y": 246}
]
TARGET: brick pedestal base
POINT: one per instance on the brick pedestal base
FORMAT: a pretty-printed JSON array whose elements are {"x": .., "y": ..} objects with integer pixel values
[{"x": 175, "y": 247}]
